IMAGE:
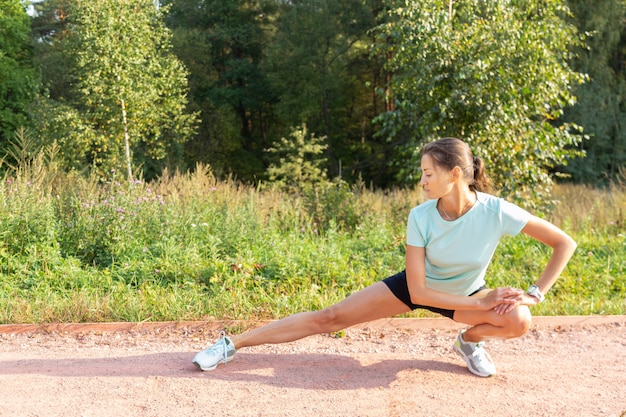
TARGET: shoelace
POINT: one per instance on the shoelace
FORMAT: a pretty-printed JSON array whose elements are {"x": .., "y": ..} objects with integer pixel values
[
  {"x": 221, "y": 343},
  {"x": 479, "y": 353}
]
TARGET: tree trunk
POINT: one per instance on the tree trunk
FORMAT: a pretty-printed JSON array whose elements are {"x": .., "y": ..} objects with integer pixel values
[{"x": 126, "y": 142}]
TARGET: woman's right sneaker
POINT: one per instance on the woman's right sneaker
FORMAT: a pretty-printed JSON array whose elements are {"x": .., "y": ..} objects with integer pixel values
[
  {"x": 476, "y": 357},
  {"x": 221, "y": 352}
]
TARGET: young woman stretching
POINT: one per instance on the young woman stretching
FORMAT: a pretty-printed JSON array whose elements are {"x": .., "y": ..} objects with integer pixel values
[{"x": 450, "y": 242}]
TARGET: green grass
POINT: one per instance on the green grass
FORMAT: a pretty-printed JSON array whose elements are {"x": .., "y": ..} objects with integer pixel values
[{"x": 189, "y": 247}]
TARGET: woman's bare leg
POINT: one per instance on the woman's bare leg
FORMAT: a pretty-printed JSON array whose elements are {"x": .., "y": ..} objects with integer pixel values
[
  {"x": 371, "y": 303},
  {"x": 491, "y": 325}
]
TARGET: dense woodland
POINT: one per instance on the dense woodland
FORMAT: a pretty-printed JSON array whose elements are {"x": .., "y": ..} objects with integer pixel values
[{"x": 246, "y": 86}]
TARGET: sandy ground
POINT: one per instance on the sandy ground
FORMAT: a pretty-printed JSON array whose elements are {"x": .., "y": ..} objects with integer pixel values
[{"x": 394, "y": 368}]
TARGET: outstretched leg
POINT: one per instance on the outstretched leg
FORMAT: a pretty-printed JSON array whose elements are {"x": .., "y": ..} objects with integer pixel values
[{"x": 371, "y": 303}]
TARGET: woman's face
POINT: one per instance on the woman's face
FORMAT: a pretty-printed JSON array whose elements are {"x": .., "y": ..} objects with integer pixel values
[{"x": 436, "y": 181}]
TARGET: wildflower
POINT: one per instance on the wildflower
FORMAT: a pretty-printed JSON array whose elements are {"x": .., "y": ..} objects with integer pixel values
[
  {"x": 193, "y": 225},
  {"x": 156, "y": 271},
  {"x": 120, "y": 210}
]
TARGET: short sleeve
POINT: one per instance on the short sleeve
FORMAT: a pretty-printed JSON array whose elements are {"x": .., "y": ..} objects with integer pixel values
[
  {"x": 514, "y": 218},
  {"x": 414, "y": 236}
]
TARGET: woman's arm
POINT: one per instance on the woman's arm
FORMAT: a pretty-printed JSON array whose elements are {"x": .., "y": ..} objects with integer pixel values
[
  {"x": 420, "y": 294},
  {"x": 563, "y": 247}
]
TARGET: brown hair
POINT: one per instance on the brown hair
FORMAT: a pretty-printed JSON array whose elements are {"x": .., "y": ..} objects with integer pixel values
[{"x": 448, "y": 153}]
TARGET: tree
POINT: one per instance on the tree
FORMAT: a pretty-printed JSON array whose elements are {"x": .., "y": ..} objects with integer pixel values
[
  {"x": 130, "y": 88},
  {"x": 493, "y": 72},
  {"x": 318, "y": 65},
  {"x": 601, "y": 101},
  {"x": 18, "y": 83},
  {"x": 55, "y": 114},
  {"x": 299, "y": 161},
  {"x": 50, "y": 29},
  {"x": 261, "y": 67},
  {"x": 223, "y": 43}
]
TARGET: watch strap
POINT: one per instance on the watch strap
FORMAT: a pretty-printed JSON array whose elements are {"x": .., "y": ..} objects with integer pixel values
[{"x": 534, "y": 291}]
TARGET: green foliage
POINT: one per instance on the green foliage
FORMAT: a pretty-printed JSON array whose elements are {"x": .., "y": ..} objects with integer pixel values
[
  {"x": 256, "y": 68},
  {"x": 28, "y": 225},
  {"x": 64, "y": 125},
  {"x": 116, "y": 251},
  {"x": 298, "y": 160},
  {"x": 222, "y": 42},
  {"x": 332, "y": 204},
  {"x": 494, "y": 73},
  {"x": 127, "y": 103},
  {"x": 50, "y": 29},
  {"x": 299, "y": 169},
  {"x": 189, "y": 247},
  {"x": 317, "y": 67},
  {"x": 17, "y": 75},
  {"x": 600, "y": 105}
]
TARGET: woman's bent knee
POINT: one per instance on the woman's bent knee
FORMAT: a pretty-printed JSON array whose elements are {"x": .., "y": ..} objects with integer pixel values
[{"x": 519, "y": 321}]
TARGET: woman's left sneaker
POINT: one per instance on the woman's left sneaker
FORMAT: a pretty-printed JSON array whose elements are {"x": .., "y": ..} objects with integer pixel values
[
  {"x": 476, "y": 357},
  {"x": 221, "y": 352}
]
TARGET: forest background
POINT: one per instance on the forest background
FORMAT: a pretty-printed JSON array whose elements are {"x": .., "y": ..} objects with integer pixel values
[{"x": 191, "y": 158}]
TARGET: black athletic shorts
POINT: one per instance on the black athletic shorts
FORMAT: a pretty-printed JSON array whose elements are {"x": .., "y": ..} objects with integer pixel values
[{"x": 399, "y": 287}]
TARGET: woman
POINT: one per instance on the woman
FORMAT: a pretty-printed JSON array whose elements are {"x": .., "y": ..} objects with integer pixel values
[{"x": 450, "y": 242}]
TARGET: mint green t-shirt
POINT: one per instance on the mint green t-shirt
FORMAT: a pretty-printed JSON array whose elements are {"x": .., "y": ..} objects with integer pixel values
[{"x": 458, "y": 252}]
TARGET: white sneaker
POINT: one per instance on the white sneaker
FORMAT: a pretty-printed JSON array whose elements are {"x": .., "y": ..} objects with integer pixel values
[
  {"x": 221, "y": 352},
  {"x": 476, "y": 357}
]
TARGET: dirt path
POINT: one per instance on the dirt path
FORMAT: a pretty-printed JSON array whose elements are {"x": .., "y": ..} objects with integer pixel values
[{"x": 560, "y": 368}]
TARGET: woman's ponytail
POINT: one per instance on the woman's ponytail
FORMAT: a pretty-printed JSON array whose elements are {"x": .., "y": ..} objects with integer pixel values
[{"x": 482, "y": 181}]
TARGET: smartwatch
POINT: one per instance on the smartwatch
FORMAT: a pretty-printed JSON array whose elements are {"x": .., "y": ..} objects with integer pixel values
[{"x": 534, "y": 291}]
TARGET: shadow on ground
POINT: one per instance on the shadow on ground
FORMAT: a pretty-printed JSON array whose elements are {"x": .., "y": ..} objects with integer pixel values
[{"x": 333, "y": 372}]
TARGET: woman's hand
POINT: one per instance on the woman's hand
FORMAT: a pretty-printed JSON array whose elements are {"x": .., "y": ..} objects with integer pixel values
[
  {"x": 513, "y": 301},
  {"x": 503, "y": 299}
]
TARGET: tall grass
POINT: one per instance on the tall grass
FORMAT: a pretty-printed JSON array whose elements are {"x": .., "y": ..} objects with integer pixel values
[{"x": 190, "y": 247}]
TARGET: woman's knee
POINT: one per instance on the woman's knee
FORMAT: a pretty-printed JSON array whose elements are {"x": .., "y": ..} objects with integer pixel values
[
  {"x": 519, "y": 321},
  {"x": 327, "y": 320}
]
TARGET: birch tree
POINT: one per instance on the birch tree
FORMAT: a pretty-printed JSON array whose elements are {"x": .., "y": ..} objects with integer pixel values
[{"x": 131, "y": 88}]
